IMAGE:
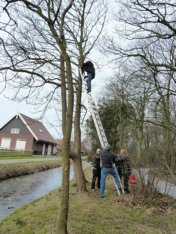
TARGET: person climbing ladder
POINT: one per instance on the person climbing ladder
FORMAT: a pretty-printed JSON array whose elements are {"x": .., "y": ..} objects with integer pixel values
[
  {"x": 89, "y": 68},
  {"x": 102, "y": 137}
]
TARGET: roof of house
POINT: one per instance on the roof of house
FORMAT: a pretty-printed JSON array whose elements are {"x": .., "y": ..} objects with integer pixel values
[{"x": 37, "y": 129}]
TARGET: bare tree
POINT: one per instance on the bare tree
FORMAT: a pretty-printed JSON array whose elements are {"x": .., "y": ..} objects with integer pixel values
[
  {"x": 155, "y": 18},
  {"x": 18, "y": 62},
  {"x": 148, "y": 31},
  {"x": 42, "y": 44},
  {"x": 89, "y": 15}
]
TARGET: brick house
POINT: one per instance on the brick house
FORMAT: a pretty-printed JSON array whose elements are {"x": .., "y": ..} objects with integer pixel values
[{"x": 22, "y": 133}]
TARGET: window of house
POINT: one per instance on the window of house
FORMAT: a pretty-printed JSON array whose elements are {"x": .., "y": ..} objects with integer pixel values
[{"x": 15, "y": 130}]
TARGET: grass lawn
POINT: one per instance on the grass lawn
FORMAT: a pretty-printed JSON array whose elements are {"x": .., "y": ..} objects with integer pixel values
[
  {"x": 6, "y": 157},
  {"x": 29, "y": 163},
  {"x": 89, "y": 214},
  {"x": 11, "y": 170}
]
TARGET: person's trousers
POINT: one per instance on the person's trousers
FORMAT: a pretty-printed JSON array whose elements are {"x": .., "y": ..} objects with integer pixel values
[
  {"x": 89, "y": 79},
  {"x": 104, "y": 173},
  {"x": 125, "y": 179},
  {"x": 96, "y": 176}
]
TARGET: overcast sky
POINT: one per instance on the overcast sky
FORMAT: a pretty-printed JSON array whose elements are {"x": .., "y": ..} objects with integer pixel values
[{"x": 9, "y": 108}]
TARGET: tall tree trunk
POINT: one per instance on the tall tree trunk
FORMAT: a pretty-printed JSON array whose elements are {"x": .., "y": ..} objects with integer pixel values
[
  {"x": 79, "y": 174},
  {"x": 63, "y": 94},
  {"x": 76, "y": 154},
  {"x": 64, "y": 203},
  {"x": 138, "y": 153}
]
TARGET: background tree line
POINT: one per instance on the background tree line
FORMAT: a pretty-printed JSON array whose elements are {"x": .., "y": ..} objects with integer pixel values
[{"x": 142, "y": 49}]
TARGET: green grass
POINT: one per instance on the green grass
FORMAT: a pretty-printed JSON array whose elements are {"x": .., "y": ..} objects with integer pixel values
[
  {"x": 29, "y": 163},
  {"x": 17, "y": 169},
  {"x": 15, "y": 153},
  {"x": 18, "y": 156},
  {"x": 89, "y": 214}
]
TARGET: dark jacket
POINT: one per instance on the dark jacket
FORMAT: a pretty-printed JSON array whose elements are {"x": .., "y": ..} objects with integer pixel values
[
  {"x": 89, "y": 68},
  {"x": 107, "y": 158},
  {"x": 123, "y": 165},
  {"x": 96, "y": 162}
]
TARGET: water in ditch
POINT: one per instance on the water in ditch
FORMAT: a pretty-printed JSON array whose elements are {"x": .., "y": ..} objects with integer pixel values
[{"x": 19, "y": 191}]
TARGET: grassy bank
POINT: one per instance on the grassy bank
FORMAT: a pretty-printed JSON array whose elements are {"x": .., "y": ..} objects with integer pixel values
[
  {"x": 17, "y": 156},
  {"x": 18, "y": 169},
  {"x": 89, "y": 214}
]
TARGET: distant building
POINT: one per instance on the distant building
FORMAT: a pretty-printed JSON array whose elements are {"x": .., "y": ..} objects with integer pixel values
[
  {"x": 22, "y": 133},
  {"x": 84, "y": 149}
]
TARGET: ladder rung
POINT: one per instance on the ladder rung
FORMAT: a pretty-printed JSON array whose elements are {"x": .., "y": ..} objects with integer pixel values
[{"x": 96, "y": 117}]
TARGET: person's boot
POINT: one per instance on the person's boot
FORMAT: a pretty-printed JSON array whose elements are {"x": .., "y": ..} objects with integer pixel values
[{"x": 127, "y": 190}]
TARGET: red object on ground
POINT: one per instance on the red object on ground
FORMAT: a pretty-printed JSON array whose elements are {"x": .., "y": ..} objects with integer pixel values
[{"x": 132, "y": 179}]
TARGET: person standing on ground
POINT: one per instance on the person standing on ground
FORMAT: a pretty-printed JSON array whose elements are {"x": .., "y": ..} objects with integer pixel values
[
  {"x": 96, "y": 170},
  {"x": 124, "y": 169},
  {"x": 89, "y": 68},
  {"x": 107, "y": 159}
]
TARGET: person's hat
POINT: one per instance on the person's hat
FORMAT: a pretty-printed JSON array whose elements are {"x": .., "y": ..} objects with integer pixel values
[{"x": 107, "y": 147}]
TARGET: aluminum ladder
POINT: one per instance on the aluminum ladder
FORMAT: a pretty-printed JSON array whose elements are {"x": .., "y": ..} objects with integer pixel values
[
  {"x": 98, "y": 125},
  {"x": 96, "y": 117}
]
